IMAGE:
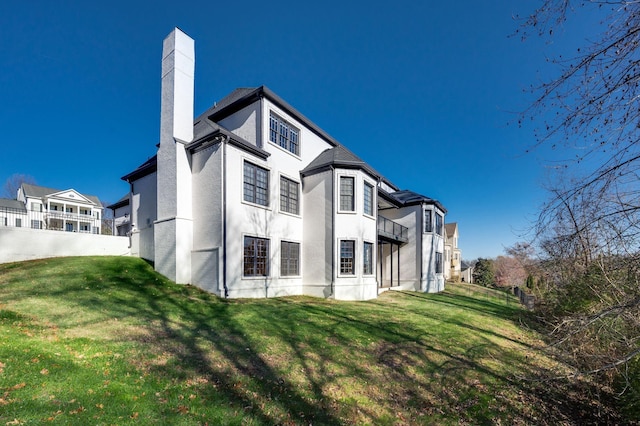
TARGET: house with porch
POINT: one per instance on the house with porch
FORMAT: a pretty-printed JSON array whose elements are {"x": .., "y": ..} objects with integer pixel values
[
  {"x": 253, "y": 199},
  {"x": 38, "y": 207}
]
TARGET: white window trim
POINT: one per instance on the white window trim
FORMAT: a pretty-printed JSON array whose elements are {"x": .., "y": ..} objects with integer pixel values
[
  {"x": 299, "y": 214},
  {"x": 269, "y": 275},
  {"x": 373, "y": 259},
  {"x": 289, "y": 121},
  {"x": 355, "y": 193},
  {"x": 269, "y": 207},
  {"x": 286, "y": 277},
  {"x": 356, "y": 253},
  {"x": 374, "y": 201}
]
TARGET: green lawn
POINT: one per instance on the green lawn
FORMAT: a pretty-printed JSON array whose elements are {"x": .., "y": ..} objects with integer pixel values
[{"x": 106, "y": 340}]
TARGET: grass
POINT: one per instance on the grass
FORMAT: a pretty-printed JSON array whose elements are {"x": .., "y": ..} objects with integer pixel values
[{"x": 106, "y": 340}]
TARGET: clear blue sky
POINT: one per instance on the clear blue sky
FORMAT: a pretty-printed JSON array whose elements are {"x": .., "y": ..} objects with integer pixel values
[{"x": 423, "y": 91}]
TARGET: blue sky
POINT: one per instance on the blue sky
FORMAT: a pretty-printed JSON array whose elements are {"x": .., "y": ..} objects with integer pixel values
[{"x": 426, "y": 92}]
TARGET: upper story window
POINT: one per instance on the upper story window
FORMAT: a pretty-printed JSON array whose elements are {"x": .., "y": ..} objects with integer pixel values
[
  {"x": 347, "y": 193},
  {"x": 368, "y": 199},
  {"x": 256, "y": 184},
  {"x": 284, "y": 134},
  {"x": 428, "y": 224},
  {"x": 439, "y": 220},
  {"x": 289, "y": 195},
  {"x": 367, "y": 259}
]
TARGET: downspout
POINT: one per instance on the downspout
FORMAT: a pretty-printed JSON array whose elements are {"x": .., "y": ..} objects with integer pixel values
[
  {"x": 333, "y": 230},
  {"x": 224, "y": 216},
  {"x": 378, "y": 246},
  {"x": 421, "y": 245}
]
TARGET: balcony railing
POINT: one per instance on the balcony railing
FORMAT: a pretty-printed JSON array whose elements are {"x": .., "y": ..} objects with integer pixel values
[
  {"x": 70, "y": 216},
  {"x": 392, "y": 230}
]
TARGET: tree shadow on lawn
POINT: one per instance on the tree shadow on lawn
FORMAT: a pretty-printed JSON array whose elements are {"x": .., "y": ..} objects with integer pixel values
[{"x": 353, "y": 366}]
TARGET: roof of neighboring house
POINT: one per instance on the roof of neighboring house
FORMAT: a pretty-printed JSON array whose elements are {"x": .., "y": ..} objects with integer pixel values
[
  {"x": 124, "y": 201},
  {"x": 409, "y": 198},
  {"x": 12, "y": 204},
  {"x": 450, "y": 228},
  {"x": 36, "y": 191}
]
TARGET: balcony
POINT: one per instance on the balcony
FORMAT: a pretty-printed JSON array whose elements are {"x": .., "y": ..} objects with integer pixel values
[{"x": 392, "y": 231}]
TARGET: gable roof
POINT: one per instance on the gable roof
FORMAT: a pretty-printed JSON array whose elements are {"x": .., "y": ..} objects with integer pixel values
[
  {"x": 450, "y": 228},
  {"x": 36, "y": 191},
  {"x": 13, "y": 204}
]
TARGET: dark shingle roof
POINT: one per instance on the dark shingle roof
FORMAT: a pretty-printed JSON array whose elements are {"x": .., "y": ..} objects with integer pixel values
[
  {"x": 144, "y": 169},
  {"x": 124, "y": 201},
  {"x": 36, "y": 191},
  {"x": 338, "y": 156},
  {"x": 13, "y": 204},
  {"x": 230, "y": 99},
  {"x": 408, "y": 198}
]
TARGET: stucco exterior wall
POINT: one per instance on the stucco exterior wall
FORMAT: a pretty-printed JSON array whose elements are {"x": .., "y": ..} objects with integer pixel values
[
  {"x": 206, "y": 168},
  {"x": 143, "y": 214},
  {"x": 358, "y": 227},
  {"x": 245, "y": 123},
  {"x": 17, "y": 244},
  {"x": 317, "y": 249},
  {"x": 410, "y": 252}
]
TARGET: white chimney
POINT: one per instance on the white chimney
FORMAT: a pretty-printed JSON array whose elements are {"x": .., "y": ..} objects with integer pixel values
[{"x": 173, "y": 230}]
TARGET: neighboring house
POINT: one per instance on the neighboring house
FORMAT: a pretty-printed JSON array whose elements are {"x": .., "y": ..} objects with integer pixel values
[
  {"x": 466, "y": 273},
  {"x": 453, "y": 255},
  {"x": 38, "y": 207},
  {"x": 252, "y": 199},
  {"x": 121, "y": 216}
]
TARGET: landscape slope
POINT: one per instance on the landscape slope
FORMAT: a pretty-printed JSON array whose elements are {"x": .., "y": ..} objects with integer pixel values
[{"x": 106, "y": 340}]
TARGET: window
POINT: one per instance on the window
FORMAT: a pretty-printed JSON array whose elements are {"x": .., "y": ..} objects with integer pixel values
[
  {"x": 36, "y": 224},
  {"x": 3, "y": 221},
  {"x": 289, "y": 195},
  {"x": 346, "y": 193},
  {"x": 428, "y": 226},
  {"x": 367, "y": 259},
  {"x": 284, "y": 134},
  {"x": 36, "y": 207},
  {"x": 438, "y": 263},
  {"x": 438, "y": 224},
  {"x": 18, "y": 222},
  {"x": 84, "y": 227},
  {"x": 289, "y": 258},
  {"x": 347, "y": 254},
  {"x": 256, "y": 184},
  {"x": 368, "y": 199},
  {"x": 256, "y": 257}
]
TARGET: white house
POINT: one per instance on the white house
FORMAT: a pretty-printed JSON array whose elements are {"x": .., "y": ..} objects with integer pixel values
[
  {"x": 453, "y": 254},
  {"x": 252, "y": 199},
  {"x": 38, "y": 207},
  {"x": 122, "y": 216}
]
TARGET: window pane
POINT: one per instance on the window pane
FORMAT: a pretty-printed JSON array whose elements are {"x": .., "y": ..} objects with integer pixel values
[
  {"x": 284, "y": 134},
  {"x": 288, "y": 195},
  {"x": 346, "y": 257},
  {"x": 367, "y": 259},
  {"x": 256, "y": 255},
  {"x": 428, "y": 227},
  {"x": 368, "y": 199},
  {"x": 346, "y": 193},
  {"x": 289, "y": 258},
  {"x": 256, "y": 184}
]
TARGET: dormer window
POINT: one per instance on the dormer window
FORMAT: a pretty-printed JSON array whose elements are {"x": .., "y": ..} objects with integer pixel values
[{"x": 284, "y": 134}]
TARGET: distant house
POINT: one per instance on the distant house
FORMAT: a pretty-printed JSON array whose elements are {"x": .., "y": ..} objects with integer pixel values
[
  {"x": 453, "y": 255},
  {"x": 466, "y": 273},
  {"x": 38, "y": 207},
  {"x": 253, "y": 199},
  {"x": 121, "y": 216}
]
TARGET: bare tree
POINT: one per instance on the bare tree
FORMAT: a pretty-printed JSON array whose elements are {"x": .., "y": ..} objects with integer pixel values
[
  {"x": 11, "y": 185},
  {"x": 589, "y": 229}
]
